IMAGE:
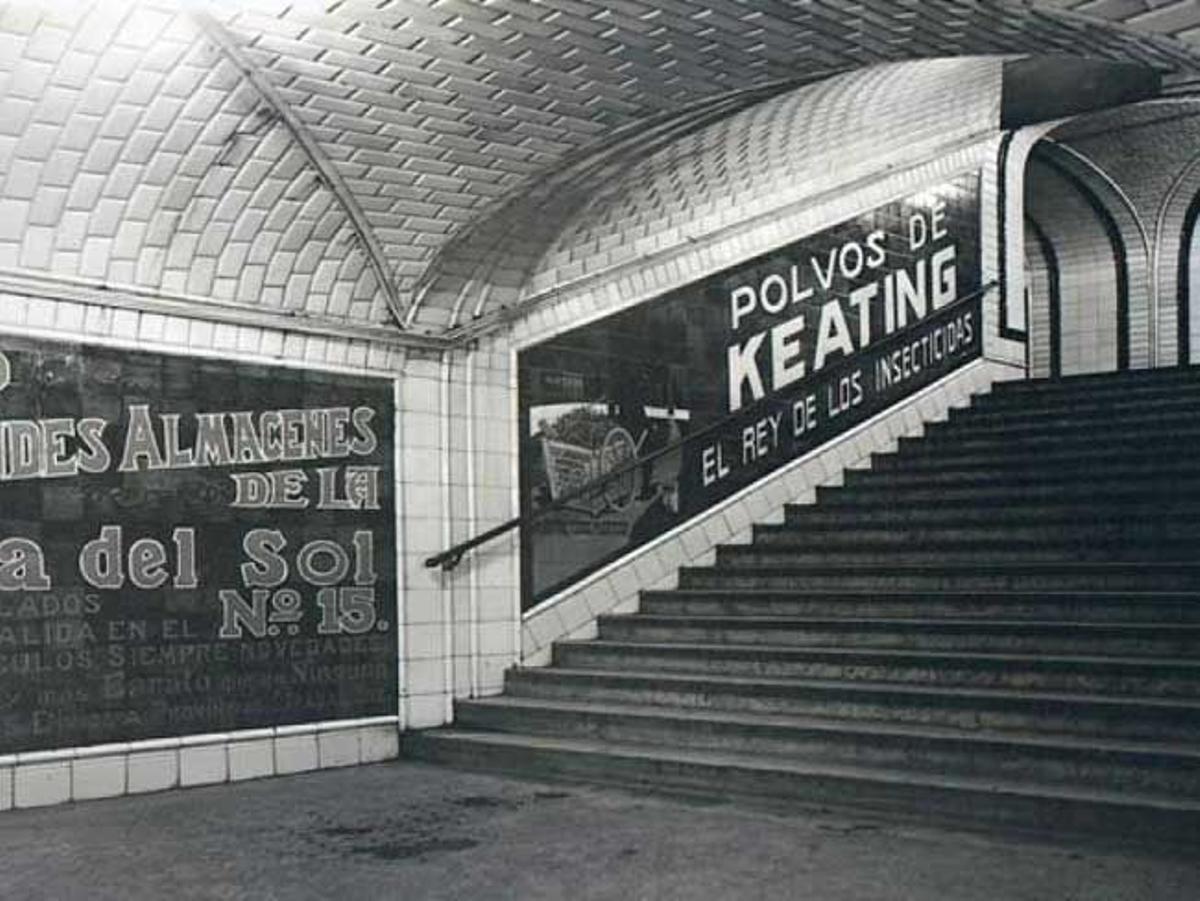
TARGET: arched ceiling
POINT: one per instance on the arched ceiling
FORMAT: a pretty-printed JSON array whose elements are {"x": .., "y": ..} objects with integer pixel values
[
  {"x": 1179, "y": 19},
  {"x": 787, "y": 150},
  {"x": 318, "y": 162}
]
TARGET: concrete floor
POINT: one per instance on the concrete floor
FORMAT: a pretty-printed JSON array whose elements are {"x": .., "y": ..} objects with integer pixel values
[{"x": 410, "y": 831}]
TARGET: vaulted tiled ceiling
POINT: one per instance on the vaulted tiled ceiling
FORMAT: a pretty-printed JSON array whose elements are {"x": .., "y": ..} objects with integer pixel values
[
  {"x": 318, "y": 161},
  {"x": 1178, "y": 18}
]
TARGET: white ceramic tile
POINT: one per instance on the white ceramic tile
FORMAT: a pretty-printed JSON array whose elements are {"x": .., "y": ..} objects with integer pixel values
[
  {"x": 251, "y": 759},
  {"x": 202, "y": 764},
  {"x": 42, "y": 784},
  {"x": 378, "y": 743},
  {"x": 337, "y": 748},
  {"x": 150, "y": 771},
  {"x": 295, "y": 753},
  {"x": 98, "y": 777}
]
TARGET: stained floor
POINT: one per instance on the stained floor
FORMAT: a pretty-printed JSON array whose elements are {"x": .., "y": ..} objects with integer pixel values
[{"x": 410, "y": 831}]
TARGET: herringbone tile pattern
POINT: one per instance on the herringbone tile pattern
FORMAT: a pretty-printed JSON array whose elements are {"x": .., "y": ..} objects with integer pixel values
[{"x": 134, "y": 152}]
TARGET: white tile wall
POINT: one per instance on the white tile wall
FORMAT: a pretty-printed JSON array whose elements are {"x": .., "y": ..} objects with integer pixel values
[
  {"x": 1087, "y": 272},
  {"x": 296, "y": 752},
  {"x": 44, "y": 778},
  {"x": 6, "y": 782},
  {"x": 203, "y": 760},
  {"x": 337, "y": 748},
  {"x": 99, "y": 775},
  {"x": 1152, "y": 157},
  {"x": 378, "y": 743},
  {"x": 251, "y": 757},
  {"x": 40, "y": 780},
  {"x": 152, "y": 770}
]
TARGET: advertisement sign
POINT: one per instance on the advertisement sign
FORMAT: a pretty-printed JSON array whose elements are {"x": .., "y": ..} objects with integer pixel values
[
  {"x": 189, "y": 546},
  {"x": 695, "y": 395}
]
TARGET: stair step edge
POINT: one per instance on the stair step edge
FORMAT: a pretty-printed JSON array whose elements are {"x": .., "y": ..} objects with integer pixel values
[
  {"x": 868, "y": 687},
  {"x": 1031, "y": 740},
  {"x": 903, "y": 653},
  {"x": 764, "y": 763}
]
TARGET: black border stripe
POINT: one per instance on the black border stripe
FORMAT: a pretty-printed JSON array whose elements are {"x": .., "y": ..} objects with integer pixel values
[
  {"x": 1006, "y": 330},
  {"x": 1184, "y": 283},
  {"x": 1002, "y": 210},
  {"x": 1055, "y": 299},
  {"x": 1115, "y": 239}
]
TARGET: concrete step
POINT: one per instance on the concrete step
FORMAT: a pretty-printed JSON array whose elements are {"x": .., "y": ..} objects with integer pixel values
[
  {"x": 870, "y": 704},
  {"x": 1025, "y": 577},
  {"x": 980, "y": 801},
  {"x": 952, "y": 443},
  {"x": 1068, "y": 424},
  {"x": 913, "y": 553},
  {"x": 1071, "y": 674},
  {"x": 1100, "y": 382},
  {"x": 1176, "y": 471},
  {"x": 1116, "y": 607},
  {"x": 1178, "y": 512},
  {"x": 1020, "y": 396},
  {"x": 614, "y": 714},
  {"x": 1114, "y": 407},
  {"x": 1098, "y": 494},
  {"x": 1086, "y": 456},
  {"x": 1067, "y": 531},
  {"x": 924, "y": 634}
]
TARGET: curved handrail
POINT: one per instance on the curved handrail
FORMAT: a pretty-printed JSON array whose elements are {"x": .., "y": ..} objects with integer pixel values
[{"x": 450, "y": 558}]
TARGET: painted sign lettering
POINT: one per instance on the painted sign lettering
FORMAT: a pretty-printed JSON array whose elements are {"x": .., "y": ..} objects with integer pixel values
[{"x": 189, "y": 545}]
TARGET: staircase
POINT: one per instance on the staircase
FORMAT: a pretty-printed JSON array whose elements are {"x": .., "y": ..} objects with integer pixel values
[{"x": 998, "y": 623}]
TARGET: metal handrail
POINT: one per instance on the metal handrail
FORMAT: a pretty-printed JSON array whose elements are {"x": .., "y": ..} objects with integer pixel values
[{"x": 450, "y": 558}]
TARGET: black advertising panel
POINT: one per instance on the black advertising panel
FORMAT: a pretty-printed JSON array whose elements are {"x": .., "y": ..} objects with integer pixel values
[
  {"x": 189, "y": 545},
  {"x": 688, "y": 398}
]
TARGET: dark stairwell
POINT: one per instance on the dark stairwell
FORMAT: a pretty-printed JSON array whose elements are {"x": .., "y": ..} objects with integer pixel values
[{"x": 998, "y": 623}]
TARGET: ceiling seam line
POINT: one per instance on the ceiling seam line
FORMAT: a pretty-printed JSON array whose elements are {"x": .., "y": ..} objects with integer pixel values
[
  {"x": 94, "y": 292},
  {"x": 371, "y": 247}
]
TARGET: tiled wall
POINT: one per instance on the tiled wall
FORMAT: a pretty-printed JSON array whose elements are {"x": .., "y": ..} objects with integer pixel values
[
  {"x": 1087, "y": 271},
  {"x": 1191, "y": 251},
  {"x": 36, "y": 779},
  {"x": 1149, "y": 151},
  {"x": 459, "y": 468},
  {"x": 1138, "y": 162},
  {"x": 1129, "y": 229}
]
